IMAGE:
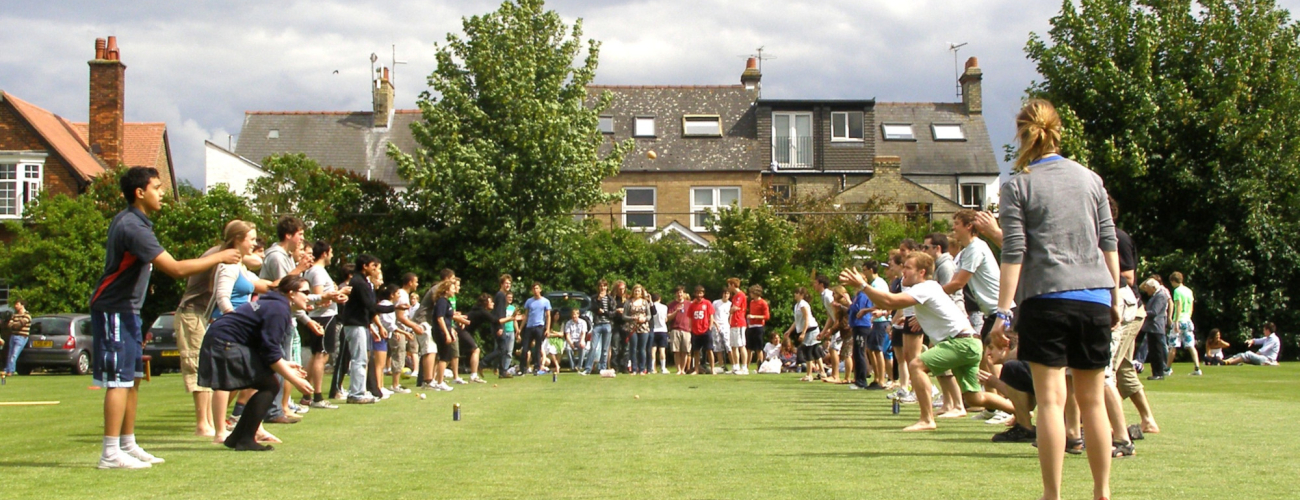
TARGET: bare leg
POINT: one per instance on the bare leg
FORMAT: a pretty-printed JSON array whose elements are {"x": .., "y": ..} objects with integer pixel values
[
  {"x": 440, "y": 371},
  {"x": 427, "y": 364},
  {"x": 219, "y": 401},
  {"x": 989, "y": 401},
  {"x": 1049, "y": 389},
  {"x": 473, "y": 364},
  {"x": 953, "y": 406},
  {"x": 203, "y": 413},
  {"x": 316, "y": 370},
  {"x": 921, "y": 386},
  {"x": 1149, "y": 425},
  {"x": 1115, "y": 413},
  {"x": 1089, "y": 392},
  {"x": 1196, "y": 358}
]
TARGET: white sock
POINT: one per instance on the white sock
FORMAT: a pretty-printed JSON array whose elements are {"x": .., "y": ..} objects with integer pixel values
[
  {"x": 112, "y": 446},
  {"x": 128, "y": 442}
]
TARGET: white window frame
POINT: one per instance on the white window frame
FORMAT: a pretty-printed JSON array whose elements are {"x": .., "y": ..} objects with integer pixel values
[
  {"x": 697, "y": 209},
  {"x": 715, "y": 120},
  {"x": 641, "y": 209},
  {"x": 934, "y": 132},
  {"x": 22, "y": 185},
  {"x": 896, "y": 134},
  {"x": 602, "y": 120},
  {"x": 845, "y": 114},
  {"x": 794, "y": 140},
  {"x": 637, "y": 131},
  {"x": 979, "y": 200}
]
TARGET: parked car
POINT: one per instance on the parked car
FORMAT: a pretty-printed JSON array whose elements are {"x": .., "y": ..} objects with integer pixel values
[
  {"x": 562, "y": 302},
  {"x": 60, "y": 341},
  {"x": 160, "y": 344}
]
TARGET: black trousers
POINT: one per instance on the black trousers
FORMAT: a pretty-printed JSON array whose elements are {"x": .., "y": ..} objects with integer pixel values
[
  {"x": 618, "y": 356},
  {"x": 531, "y": 342},
  {"x": 1157, "y": 353},
  {"x": 255, "y": 410},
  {"x": 860, "y": 370},
  {"x": 340, "y": 369}
]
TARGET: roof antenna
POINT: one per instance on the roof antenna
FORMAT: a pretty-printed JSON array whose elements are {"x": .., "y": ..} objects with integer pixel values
[
  {"x": 392, "y": 76},
  {"x": 956, "y": 69},
  {"x": 758, "y": 55}
]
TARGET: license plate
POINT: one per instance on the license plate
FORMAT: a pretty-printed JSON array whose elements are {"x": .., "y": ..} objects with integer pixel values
[
  {"x": 42, "y": 344},
  {"x": 171, "y": 354}
]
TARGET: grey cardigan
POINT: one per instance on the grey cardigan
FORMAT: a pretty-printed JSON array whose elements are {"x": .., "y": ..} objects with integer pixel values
[{"x": 1056, "y": 223}]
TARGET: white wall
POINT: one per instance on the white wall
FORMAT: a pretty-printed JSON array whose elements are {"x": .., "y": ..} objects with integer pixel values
[
  {"x": 991, "y": 186},
  {"x": 224, "y": 167}
]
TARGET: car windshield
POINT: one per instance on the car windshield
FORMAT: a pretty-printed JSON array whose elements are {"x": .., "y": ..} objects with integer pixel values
[
  {"x": 50, "y": 326},
  {"x": 164, "y": 322}
]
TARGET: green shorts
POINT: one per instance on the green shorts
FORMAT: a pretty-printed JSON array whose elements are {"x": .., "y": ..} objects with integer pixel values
[{"x": 962, "y": 356}]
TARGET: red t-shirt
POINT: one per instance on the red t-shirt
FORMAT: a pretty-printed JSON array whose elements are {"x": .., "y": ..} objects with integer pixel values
[
  {"x": 701, "y": 316},
  {"x": 739, "y": 304},
  {"x": 759, "y": 308}
]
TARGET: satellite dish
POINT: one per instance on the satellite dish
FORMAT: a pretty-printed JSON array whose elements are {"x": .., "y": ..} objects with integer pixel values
[{"x": 374, "y": 58}]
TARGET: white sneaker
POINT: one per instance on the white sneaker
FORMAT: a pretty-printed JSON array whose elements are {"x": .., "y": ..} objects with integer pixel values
[
  {"x": 459, "y": 380},
  {"x": 999, "y": 417},
  {"x": 442, "y": 386},
  {"x": 138, "y": 453},
  {"x": 984, "y": 415},
  {"x": 477, "y": 379},
  {"x": 665, "y": 371},
  {"x": 446, "y": 372},
  {"x": 401, "y": 390},
  {"x": 122, "y": 461}
]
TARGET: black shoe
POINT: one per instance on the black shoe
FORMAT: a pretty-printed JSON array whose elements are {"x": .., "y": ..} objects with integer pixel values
[
  {"x": 1135, "y": 432},
  {"x": 1121, "y": 450},
  {"x": 1156, "y": 377},
  {"x": 1016, "y": 434},
  {"x": 874, "y": 387},
  {"x": 1072, "y": 446}
]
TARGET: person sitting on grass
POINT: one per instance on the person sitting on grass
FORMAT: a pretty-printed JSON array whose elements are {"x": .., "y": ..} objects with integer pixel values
[
  {"x": 957, "y": 346},
  {"x": 1214, "y": 348},
  {"x": 771, "y": 353},
  {"x": 789, "y": 356},
  {"x": 1269, "y": 346},
  {"x": 242, "y": 350}
]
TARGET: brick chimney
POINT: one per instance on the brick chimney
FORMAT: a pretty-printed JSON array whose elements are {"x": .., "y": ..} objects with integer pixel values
[
  {"x": 383, "y": 100},
  {"x": 752, "y": 79},
  {"x": 107, "y": 109},
  {"x": 971, "y": 95}
]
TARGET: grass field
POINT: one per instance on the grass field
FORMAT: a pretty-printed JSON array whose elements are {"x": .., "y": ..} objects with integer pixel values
[{"x": 1230, "y": 434}]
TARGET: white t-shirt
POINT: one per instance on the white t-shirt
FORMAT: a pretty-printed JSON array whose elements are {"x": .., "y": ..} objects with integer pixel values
[
  {"x": 575, "y": 331},
  {"x": 802, "y": 323},
  {"x": 828, "y": 298},
  {"x": 907, "y": 311},
  {"x": 316, "y": 276},
  {"x": 939, "y": 316},
  {"x": 387, "y": 320},
  {"x": 722, "y": 314},
  {"x": 978, "y": 260},
  {"x": 771, "y": 351},
  {"x": 404, "y": 299},
  {"x": 660, "y": 323}
]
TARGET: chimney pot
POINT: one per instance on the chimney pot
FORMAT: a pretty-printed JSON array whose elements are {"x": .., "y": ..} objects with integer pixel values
[
  {"x": 751, "y": 63},
  {"x": 385, "y": 74},
  {"x": 972, "y": 95},
  {"x": 972, "y": 63},
  {"x": 99, "y": 48},
  {"x": 107, "y": 90}
]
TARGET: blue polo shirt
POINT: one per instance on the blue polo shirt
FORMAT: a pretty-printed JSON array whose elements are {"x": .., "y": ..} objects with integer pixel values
[
  {"x": 129, "y": 252},
  {"x": 860, "y": 302},
  {"x": 537, "y": 309}
]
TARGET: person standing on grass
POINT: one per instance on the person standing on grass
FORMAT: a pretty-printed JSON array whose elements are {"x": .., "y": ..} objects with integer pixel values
[
  {"x": 288, "y": 258},
  {"x": 622, "y": 330},
  {"x": 1155, "y": 325},
  {"x": 131, "y": 251},
  {"x": 538, "y": 309},
  {"x": 358, "y": 314},
  {"x": 681, "y": 328},
  {"x": 442, "y": 313},
  {"x": 803, "y": 332},
  {"x": 756, "y": 319},
  {"x": 720, "y": 332},
  {"x": 860, "y": 321},
  {"x": 502, "y": 309},
  {"x": 602, "y": 334},
  {"x": 700, "y": 312},
  {"x": 739, "y": 308},
  {"x": 1269, "y": 346},
  {"x": 1184, "y": 332},
  {"x": 637, "y": 315},
  {"x": 242, "y": 351},
  {"x": 191, "y": 324},
  {"x": 325, "y": 314},
  {"x": 417, "y": 339},
  {"x": 19, "y": 325},
  {"x": 1060, "y": 263},
  {"x": 659, "y": 332}
]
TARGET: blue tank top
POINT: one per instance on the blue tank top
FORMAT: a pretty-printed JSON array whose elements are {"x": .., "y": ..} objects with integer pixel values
[{"x": 239, "y": 295}]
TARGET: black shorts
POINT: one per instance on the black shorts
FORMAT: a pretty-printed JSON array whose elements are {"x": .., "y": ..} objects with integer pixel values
[
  {"x": 895, "y": 337},
  {"x": 659, "y": 339},
  {"x": 754, "y": 340},
  {"x": 1016, "y": 375},
  {"x": 467, "y": 343},
  {"x": 700, "y": 342},
  {"x": 310, "y": 339},
  {"x": 812, "y": 352},
  {"x": 1064, "y": 333},
  {"x": 446, "y": 350}
]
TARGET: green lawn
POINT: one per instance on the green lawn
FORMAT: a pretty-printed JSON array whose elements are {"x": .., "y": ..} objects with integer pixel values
[{"x": 761, "y": 436}]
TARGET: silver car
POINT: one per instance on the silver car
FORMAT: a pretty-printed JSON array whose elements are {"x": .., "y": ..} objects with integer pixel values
[{"x": 58, "y": 341}]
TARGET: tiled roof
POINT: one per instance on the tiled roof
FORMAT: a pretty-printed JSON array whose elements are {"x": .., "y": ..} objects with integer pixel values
[
  {"x": 60, "y": 134},
  {"x": 925, "y": 156},
  {"x": 736, "y": 150},
  {"x": 141, "y": 145},
  {"x": 345, "y": 140}
]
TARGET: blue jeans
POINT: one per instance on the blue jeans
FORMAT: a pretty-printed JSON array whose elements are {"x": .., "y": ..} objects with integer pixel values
[
  {"x": 16, "y": 345},
  {"x": 601, "y": 335},
  {"x": 505, "y": 350},
  {"x": 356, "y": 338},
  {"x": 640, "y": 341}
]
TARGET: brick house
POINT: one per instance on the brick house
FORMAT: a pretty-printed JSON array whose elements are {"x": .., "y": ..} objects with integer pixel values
[
  {"x": 42, "y": 151},
  {"x": 695, "y": 151}
]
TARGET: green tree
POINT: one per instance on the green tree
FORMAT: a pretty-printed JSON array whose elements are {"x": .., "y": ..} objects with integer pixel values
[
  {"x": 509, "y": 145},
  {"x": 56, "y": 254},
  {"x": 1188, "y": 113}
]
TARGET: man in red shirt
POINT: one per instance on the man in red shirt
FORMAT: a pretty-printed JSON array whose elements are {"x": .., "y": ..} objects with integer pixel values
[
  {"x": 757, "y": 318},
  {"x": 739, "y": 305},
  {"x": 701, "y": 312}
]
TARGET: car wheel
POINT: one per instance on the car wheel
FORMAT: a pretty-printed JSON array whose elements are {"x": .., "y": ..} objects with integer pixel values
[
  {"x": 82, "y": 366},
  {"x": 24, "y": 369}
]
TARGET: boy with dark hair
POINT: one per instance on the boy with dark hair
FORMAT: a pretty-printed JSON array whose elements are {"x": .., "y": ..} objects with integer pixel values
[
  {"x": 1183, "y": 332},
  {"x": 700, "y": 311},
  {"x": 131, "y": 251},
  {"x": 287, "y": 257},
  {"x": 359, "y": 312}
]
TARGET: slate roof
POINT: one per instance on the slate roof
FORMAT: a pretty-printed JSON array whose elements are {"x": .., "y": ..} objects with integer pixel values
[
  {"x": 61, "y": 135},
  {"x": 925, "y": 156},
  {"x": 345, "y": 140},
  {"x": 736, "y": 150}
]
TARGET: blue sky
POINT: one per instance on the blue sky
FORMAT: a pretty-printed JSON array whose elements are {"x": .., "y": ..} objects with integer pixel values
[{"x": 198, "y": 66}]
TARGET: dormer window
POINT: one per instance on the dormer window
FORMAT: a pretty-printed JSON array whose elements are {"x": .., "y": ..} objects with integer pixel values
[
  {"x": 897, "y": 132},
  {"x": 846, "y": 126},
  {"x": 644, "y": 127},
  {"x": 701, "y": 126},
  {"x": 606, "y": 124},
  {"x": 273, "y": 133},
  {"x": 947, "y": 132}
]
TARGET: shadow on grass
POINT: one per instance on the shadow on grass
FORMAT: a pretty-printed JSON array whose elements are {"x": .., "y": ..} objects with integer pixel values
[
  {"x": 47, "y": 465},
  {"x": 881, "y": 454}
]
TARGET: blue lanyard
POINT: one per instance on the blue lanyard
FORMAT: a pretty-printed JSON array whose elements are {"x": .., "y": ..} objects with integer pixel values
[{"x": 1053, "y": 157}]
